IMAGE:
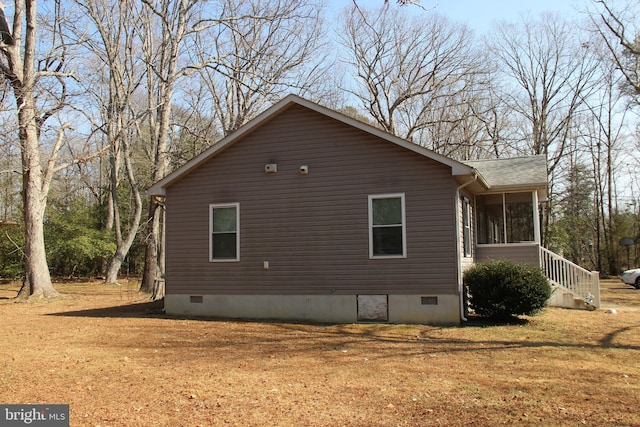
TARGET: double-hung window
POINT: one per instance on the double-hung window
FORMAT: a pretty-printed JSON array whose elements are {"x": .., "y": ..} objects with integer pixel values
[
  {"x": 387, "y": 231},
  {"x": 224, "y": 225}
]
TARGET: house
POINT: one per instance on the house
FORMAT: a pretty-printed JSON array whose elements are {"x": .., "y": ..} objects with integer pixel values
[{"x": 307, "y": 214}]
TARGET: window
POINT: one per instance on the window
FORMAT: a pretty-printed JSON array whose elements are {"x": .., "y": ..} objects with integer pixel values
[
  {"x": 519, "y": 217},
  {"x": 387, "y": 236},
  {"x": 224, "y": 225},
  {"x": 466, "y": 227},
  {"x": 505, "y": 218}
]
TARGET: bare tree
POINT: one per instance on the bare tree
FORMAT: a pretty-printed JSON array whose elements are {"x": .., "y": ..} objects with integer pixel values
[
  {"x": 194, "y": 126},
  {"x": 164, "y": 28},
  {"x": 112, "y": 84},
  {"x": 551, "y": 73},
  {"x": 28, "y": 76},
  {"x": 618, "y": 28},
  {"x": 499, "y": 135},
  {"x": 549, "y": 69},
  {"x": 468, "y": 125},
  {"x": 407, "y": 69},
  {"x": 259, "y": 60},
  {"x": 602, "y": 134}
]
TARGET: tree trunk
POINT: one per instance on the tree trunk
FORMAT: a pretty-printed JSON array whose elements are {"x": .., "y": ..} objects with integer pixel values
[
  {"x": 36, "y": 268},
  {"x": 157, "y": 293},
  {"x": 124, "y": 244},
  {"x": 111, "y": 276},
  {"x": 153, "y": 265},
  {"x": 37, "y": 281},
  {"x": 152, "y": 270},
  {"x": 20, "y": 72}
]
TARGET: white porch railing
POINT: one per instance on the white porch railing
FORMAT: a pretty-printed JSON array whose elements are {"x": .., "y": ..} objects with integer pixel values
[{"x": 571, "y": 278}]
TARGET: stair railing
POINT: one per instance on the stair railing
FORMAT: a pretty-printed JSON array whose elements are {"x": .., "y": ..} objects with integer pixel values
[{"x": 571, "y": 277}]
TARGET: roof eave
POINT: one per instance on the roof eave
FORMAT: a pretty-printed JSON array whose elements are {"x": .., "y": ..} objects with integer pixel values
[
  {"x": 516, "y": 188},
  {"x": 156, "y": 190},
  {"x": 473, "y": 181}
]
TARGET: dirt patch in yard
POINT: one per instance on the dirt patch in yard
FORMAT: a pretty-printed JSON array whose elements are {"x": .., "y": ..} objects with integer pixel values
[{"x": 118, "y": 361}]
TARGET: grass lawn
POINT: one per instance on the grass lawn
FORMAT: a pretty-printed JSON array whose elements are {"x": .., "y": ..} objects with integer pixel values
[{"x": 117, "y": 361}]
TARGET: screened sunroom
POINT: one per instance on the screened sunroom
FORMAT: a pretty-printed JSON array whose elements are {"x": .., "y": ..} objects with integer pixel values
[{"x": 506, "y": 218}]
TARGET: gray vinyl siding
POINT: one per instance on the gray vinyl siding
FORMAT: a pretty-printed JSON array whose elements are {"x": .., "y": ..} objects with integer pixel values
[
  {"x": 312, "y": 229},
  {"x": 527, "y": 252}
]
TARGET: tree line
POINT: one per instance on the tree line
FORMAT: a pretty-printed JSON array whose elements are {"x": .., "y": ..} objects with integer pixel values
[{"x": 101, "y": 98}]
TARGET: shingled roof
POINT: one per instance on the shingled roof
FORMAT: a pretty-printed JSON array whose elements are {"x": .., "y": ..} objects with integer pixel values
[{"x": 502, "y": 174}]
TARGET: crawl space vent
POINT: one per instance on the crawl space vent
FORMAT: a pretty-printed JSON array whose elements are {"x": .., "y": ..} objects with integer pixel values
[{"x": 429, "y": 300}]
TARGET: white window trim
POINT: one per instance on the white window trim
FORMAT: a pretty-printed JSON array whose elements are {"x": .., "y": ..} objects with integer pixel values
[
  {"x": 467, "y": 221},
  {"x": 404, "y": 225},
  {"x": 225, "y": 205}
]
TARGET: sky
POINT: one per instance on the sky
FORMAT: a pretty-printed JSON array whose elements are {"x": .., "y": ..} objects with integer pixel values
[{"x": 480, "y": 14}]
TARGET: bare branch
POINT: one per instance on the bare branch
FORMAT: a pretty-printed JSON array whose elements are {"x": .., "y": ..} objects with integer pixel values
[
  {"x": 408, "y": 69},
  {"x": 626, "y": 54},
  {"x": 53, "y": 158}
]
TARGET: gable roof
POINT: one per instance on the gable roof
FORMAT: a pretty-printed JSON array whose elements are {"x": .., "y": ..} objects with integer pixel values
[
  {"x": 458, "y": 168},
  {"x": 519, "y": 172}
]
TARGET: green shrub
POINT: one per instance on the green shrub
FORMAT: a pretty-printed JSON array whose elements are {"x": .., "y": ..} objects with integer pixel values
[
  {"x": 504, "y": 289},
  {"x": 76, "y": 242}
]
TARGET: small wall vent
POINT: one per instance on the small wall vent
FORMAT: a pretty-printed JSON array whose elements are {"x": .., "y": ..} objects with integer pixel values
[
  {"x": 195, "y": 299},
  {"x": 270, "y": 168},
  {"x": 429, "y": 300}
]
